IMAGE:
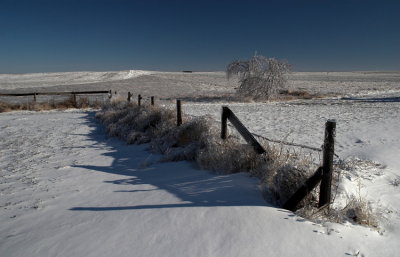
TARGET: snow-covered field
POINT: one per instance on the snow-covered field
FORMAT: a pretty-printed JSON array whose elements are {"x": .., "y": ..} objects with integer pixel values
[
  {"x": 68, "y": 190},
  {"x": 193, "y": 85},
  {"x": 35, "y": 80}
]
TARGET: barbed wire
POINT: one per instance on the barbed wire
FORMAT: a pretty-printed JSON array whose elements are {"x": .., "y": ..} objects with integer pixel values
[{"x": 285, "y": 143}]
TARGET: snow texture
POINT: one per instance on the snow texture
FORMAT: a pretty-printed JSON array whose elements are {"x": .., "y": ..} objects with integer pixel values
[{"x": 68, "y": 190}]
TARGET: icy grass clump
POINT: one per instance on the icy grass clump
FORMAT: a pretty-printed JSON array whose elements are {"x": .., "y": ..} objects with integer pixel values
[
  {"x": 82, "y": 102},
  {"x": 135, "y": 124},
  {"x": 356, "y": 210},
  {"x": 285, "y": 174},
  {"x": 352, "y": 206}
]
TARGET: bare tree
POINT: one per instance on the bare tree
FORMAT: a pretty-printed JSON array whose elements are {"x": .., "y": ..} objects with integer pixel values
[{"x": 260, "y": 77}]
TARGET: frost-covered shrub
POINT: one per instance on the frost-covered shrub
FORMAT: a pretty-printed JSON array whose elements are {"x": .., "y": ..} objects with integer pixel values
[
  {"x": 183, "y": 142},
  {"x": 227, "y": 156},
  {"x": 260, "y": 78},
  {"x": 357, "y": 210},
  {"x": 136, "y": 124},
  {"x": 283, "y": 173}
]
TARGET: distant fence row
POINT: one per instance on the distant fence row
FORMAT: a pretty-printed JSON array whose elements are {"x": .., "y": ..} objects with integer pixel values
[
  {"x": 72, "y": 94},
  {"x": 56, "y": 93}
]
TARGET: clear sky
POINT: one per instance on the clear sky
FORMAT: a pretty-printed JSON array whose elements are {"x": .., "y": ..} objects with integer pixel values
[{"x": 94, "y": 35}]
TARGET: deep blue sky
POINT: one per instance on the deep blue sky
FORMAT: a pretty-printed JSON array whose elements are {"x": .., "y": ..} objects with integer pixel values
[{"x": 313, "y": 35}]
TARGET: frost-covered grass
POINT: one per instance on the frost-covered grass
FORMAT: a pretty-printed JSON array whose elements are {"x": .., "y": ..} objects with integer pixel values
[
  {"x": 81, "y": 102},
  {"x": 281, "y": 172},
  {"x": 198, "y": 139}
]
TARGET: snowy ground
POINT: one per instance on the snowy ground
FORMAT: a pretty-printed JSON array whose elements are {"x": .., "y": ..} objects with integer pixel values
[{"x": 67, "y": 190}]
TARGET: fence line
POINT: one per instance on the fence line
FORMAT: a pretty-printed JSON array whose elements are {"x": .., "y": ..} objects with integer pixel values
[
  {"x": 323, "y": 173},
  {"x": 73, "y": 94},
  {"x": 55, "y": 93}
]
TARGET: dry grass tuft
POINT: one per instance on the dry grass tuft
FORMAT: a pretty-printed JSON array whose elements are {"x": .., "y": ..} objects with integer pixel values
[
  {"x": 228, "y": 156},
  {"x": 287, "y": 95},
  {"x": 82, "y": 103},
  {"x": 135, "y": 124},
  {"x": 283, "y": 173},
  {"x": 357, "y": 211},
  {"x": 7, "y": 107}
]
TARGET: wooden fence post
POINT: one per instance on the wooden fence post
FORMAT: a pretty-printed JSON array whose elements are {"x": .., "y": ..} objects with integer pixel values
[
  {"x": 327, "y": 163},
  {"x": 129, "y": 96},
  {"x": 178, "y": 113},
  {"x": 139, "y": 100},
  {"x": 244, "y": 132},
  {"x": 34, "y": 97},
  {"x": 227, "y": 114},
  {"x": 109, "y": 94},
  {"x": 75, "y": 103},
  {"x": 152, "y": 100},
  {"x": 224, "y": 124},
  {"x": 303, "y": 191}
]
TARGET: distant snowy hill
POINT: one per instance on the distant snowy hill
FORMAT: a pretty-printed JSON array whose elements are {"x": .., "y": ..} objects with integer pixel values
[{"x": 14, "y": 81}]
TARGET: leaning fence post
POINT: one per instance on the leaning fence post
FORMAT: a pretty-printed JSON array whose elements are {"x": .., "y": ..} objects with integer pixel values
[
  {"x": 178, "y": 113},
  {"x": 224, "y": 123},
  {"x": 303, "y": 191},
  {"x": 327, "y": 163},
  {"x": 139, "y": 100},
  {"x": 129, "y": 96},
  {"x": 152, "y": 100}
]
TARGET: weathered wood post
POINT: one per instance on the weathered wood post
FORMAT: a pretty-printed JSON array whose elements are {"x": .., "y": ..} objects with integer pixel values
[
  {"x": 303, "y": 191},
  {"x": 34, "y": 97},
  {"x": 139, "y": 100},
  {"x": 74, "y": 97},
  {"x": 178, "y": 113},
  {"x": 109, "y": 94},
  {"x": 152, "y": 100},
  {"x": 224, "y": 122},
  {"x": 129, "y": 96},
  {"x": 327, "y": 163}
]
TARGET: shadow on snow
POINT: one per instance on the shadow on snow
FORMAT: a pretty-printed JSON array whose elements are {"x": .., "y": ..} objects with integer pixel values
[
  {"x": 194, "y": 187},
  {"x": 376, "y": 99}
]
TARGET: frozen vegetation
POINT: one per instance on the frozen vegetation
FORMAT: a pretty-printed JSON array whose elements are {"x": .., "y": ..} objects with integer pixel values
[{"x": 69, "y": 190}]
